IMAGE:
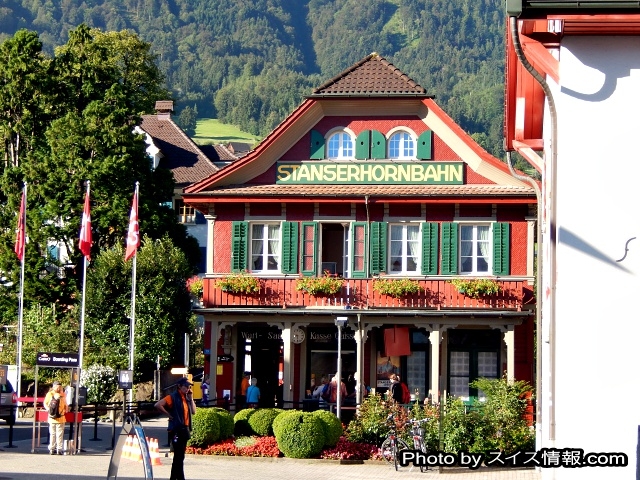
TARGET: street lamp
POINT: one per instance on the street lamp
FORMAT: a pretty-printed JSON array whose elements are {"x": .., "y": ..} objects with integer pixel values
[{"x": 340, "y": 323}]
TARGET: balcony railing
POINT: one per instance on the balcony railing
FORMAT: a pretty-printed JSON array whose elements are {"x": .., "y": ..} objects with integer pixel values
[{"x": 359, "y": 294}]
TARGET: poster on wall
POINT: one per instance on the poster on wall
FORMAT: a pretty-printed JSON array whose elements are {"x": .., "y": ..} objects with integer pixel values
[{"x": 385, "y": 366}]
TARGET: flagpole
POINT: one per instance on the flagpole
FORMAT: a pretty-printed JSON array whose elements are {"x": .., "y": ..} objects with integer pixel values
[
  {"x": 86, "y": 224},
  {"x": 132, "y": 318},
  {"x": 23, "y": 213}
]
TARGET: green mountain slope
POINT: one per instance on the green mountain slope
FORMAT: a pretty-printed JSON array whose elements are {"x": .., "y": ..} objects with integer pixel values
[{"x": 250, "y": 62}]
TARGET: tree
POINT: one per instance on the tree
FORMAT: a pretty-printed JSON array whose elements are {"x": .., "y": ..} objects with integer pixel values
[
  {"x": 187, "y": 120},
  {"x": 163, "y": 307},
  {"x": 89, "y": 98}
]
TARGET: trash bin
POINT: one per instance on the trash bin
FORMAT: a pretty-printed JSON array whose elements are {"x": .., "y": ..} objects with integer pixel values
[{"x": 310, "y": 404}]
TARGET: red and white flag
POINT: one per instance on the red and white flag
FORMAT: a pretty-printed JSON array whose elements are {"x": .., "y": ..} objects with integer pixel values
[
  {"x": 20, "y": 233},
  {"x": 133, "y": 237},
  {"x": 85, "y": 229}
]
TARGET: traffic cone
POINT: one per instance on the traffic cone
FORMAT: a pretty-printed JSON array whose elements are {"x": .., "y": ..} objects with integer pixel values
[
  {"x": 136, "y": 453},
  {"x": 154, "y": 452},
  {"x": 126, "y": 449}
]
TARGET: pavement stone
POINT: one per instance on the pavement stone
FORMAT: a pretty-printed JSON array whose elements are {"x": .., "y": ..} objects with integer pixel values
[{"x": 92, "y": 462}]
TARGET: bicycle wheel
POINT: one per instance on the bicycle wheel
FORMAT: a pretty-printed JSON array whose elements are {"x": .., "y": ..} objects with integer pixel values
[
  {"x": 423, "y": 449},
  {"x": 400, "y": 446},
  {"x": 386, "y": 450}
]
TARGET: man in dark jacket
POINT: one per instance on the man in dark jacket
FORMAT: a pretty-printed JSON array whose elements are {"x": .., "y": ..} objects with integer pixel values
[{"x": 179, "y": 406}]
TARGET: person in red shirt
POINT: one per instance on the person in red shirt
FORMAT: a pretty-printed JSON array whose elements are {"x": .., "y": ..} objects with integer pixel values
[{"x": 179, "y": 406}]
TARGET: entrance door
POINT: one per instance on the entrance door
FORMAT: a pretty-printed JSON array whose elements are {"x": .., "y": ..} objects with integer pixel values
[{"x": 267, "y": 363}]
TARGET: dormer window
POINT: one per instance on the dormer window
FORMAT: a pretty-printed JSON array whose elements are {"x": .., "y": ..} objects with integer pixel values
[
  {"x": 402, "y": 146},
  {"x": 340, "y": 146}
]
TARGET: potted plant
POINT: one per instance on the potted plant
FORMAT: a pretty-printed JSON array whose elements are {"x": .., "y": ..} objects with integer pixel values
[
  {"x": 325, "y": 285},
  {"x": 195, "y": 285},
  {"x": 241, "y": 282},
  {"x": 476, "y": 287},
  {"x": 396, "y": 287}
]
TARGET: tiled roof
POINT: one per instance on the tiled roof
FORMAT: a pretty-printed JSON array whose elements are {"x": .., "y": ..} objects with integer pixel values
[
  {"x": 485, "y": 190},
  {"x": 180, "y": 155},
  {"x": 371, "y": 76},
  {"x": 164, "y": 105},
  {"x": 218, "y": 153}
]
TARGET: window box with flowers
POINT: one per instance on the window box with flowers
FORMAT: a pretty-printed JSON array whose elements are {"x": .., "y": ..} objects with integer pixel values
[
  {"x": 318, "y": 286},
  {"x": 396, "y": 287},
  {"x": 195, "y": 285},
  {"x": 241, "y": 282},
  {"x": 476, "y": 287}
]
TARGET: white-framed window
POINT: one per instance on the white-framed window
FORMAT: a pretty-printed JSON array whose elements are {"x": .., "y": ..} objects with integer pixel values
[
  {"x": 186, "y": 213},
  {"x": 340, "y": 146},
  {"x": 265, "y": 247},
  {"x": 404, "y": 249},
  {"x": 402, "y": 145},
  {"x": 475, "y": 249}
]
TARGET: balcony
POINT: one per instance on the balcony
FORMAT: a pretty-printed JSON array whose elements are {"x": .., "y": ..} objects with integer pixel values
[{"x": 359, "y": 294}]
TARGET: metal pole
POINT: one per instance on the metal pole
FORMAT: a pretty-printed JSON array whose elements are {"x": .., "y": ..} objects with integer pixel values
[{"x": 339, "y": 374}]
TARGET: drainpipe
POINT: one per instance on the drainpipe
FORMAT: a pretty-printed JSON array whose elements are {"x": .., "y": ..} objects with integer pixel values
[
  {"x": 367, "y": 253},
  {"x": 550, "y": 182}
]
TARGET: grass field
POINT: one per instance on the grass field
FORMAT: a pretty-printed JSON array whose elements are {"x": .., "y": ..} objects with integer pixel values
[{"x": 209, "y": 131}]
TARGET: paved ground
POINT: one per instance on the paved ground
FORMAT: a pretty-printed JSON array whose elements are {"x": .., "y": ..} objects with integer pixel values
[{"x": 19, "y": 463}]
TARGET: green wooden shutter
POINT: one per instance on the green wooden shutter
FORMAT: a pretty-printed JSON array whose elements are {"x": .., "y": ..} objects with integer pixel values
[
  {"x": 289, "y": 247},
  {"x": 309, "y": 249},
  {"x": 424, "y": 145},
  {"x": 378, "y": 145},
  {"x": 317, "y": 145},
  {"x": 239, "y": 246},
  {"x": 501, "y": 248},
  {"x": 362, "y": 145},
  {"x": 449, "y": 249},
  {"x": 358, "y": 250},
  {"x": 429, "y": 265},
  {"x": 378, "y": 247}
]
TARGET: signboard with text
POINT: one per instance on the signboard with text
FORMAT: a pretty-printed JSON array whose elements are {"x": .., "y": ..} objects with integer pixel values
[{"x": 48, "y": 359}]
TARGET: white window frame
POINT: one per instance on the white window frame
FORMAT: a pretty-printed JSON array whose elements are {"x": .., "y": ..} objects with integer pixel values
[
  {"x": 475, "y": 246},
  {"x": 186, "y": 213},
  {"x": 344, "y": 152},
  {"x": 265, "y": 247},
  {"x": 407, "y": 145},
  {"x": 404, "y": 255}
]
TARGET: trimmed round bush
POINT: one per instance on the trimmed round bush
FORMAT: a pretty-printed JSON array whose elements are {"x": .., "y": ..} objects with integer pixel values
[
  {"x": 261, "y": 422},
  {"x": 299, "y": 434},
  {"x": 241, "y": 422},
  {"x": 205, "y": 429},
  {"x": 332, "y": 427},
  {"x": 226, "y": 422},
  {"x": 275, "y": 425}
]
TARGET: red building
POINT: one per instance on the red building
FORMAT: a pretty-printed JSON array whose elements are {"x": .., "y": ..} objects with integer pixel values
[{"x": 370, "y": 181}]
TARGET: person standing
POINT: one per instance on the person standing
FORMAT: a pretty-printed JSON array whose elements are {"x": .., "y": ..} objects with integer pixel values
[
  {"x": 244, "y": 385},
  {"x": 179, "y": 406},
  {"x": 333, "y": 390},
  {"x": 253, "y": 394},
  {"x": 56, "y": 421},
  {"x": 396, "y": 388},
  {"x": 205, "y": 391}
]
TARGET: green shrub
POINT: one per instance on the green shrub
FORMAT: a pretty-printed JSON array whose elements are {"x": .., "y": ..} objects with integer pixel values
[
  {"x": 241, "y": 422},
  {"x": 275, "y": 425},
  {"x": 226, "y": 422},
  {"x": 101, "y": 382},
  {"x": 332, "y": 427},
  {"x": 299, "y": 434},
  {"x": 261, "y": 422},
  {"x": 205, "y": 428},
  {"x": 370, "y": 426}
]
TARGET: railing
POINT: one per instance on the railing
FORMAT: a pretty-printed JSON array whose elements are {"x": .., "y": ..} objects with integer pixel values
[{"x": 359, "y": 294}]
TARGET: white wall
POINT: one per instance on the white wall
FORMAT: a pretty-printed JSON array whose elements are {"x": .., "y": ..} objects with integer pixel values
[{"x": 597, "y": 299}]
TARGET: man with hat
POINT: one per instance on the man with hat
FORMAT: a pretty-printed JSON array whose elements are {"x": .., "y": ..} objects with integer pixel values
[{"x": 179, "y": 406}]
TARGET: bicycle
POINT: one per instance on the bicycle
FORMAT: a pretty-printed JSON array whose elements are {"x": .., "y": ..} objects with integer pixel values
[
  {"x": 417, "y": 433},
  {"x": 392, "y": 445}
]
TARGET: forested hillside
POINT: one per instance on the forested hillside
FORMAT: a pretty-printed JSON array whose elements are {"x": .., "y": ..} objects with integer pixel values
[{"x": 250, "y": 62}]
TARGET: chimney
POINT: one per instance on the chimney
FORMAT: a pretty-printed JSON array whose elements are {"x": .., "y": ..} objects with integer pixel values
[{"x": 164, "y": 108}]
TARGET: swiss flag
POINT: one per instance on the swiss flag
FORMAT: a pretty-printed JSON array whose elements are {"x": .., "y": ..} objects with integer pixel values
[
  {"x": 20, "y": 233},
  {"x": 85, "y": 230},
  {"x": 133, "y": 237}
]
